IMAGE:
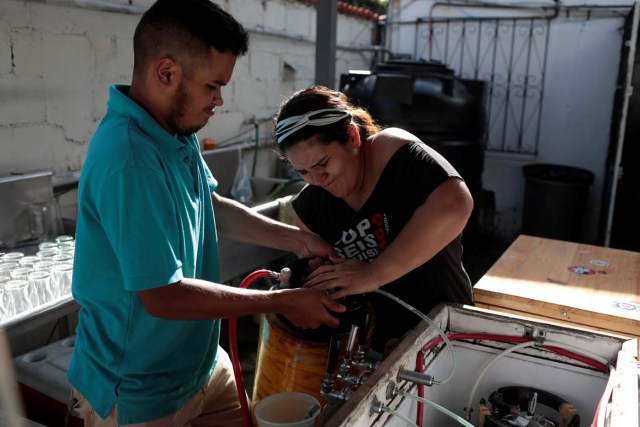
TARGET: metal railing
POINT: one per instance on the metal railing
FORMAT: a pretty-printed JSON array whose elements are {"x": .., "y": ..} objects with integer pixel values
[
  {"x": 505, "y": 45},
  {"x": 510, "y": 54}
]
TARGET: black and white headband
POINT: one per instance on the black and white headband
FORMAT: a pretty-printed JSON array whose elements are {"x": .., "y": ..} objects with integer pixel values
[{"x": 324, "y": 117}]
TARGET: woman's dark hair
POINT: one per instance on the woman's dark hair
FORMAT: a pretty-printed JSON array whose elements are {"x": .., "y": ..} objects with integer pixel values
[
  {"x": 186, "y": 29},
  {"x": 318, "y": 98}
]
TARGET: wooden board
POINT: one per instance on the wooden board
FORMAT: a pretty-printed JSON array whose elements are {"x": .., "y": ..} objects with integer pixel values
[{"x": 571, "y": 282}]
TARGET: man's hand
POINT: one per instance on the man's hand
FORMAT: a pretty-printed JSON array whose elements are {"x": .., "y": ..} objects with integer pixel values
[
  {"x": 308, "y": 308},
  {"x": 314, "y": 246}
]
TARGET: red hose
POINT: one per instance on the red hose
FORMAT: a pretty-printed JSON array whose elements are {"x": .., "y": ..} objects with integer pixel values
[
  {"x": 502, "y": 338},
  {"x": 233, "y": 349}
]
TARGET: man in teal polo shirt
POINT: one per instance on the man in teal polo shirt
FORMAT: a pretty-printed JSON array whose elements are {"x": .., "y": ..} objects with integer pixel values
[{"x": 146, "y": 271}]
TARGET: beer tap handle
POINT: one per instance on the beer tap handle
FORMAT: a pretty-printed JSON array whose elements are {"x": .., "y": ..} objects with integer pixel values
[
  {"x": 353, "y": 335},
  {"x": 334, "y": 352}
]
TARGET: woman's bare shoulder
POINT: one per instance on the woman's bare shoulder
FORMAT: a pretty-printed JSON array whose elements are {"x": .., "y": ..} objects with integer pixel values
[
  {"x": 389, "y": 140},
  {"x": 398, "y": 135}
]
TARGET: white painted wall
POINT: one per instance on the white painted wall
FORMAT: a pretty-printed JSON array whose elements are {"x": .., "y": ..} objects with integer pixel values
[
  {"x": 58, "y": 58},
  {"x": 583, "y": 62}
]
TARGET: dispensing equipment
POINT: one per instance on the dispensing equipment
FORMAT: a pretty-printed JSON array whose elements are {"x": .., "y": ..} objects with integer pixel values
[{"x": 326, "y": 363}]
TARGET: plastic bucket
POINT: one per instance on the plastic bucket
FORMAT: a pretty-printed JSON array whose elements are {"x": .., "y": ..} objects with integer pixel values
[{"x": 289, "y": 409}]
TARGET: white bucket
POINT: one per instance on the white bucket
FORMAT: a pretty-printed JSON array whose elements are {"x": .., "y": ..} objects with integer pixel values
[{"x": 289, "y": 409}]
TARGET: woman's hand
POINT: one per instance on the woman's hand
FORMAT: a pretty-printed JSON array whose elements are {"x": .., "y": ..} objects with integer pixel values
[{"x": 345, "y": 276}]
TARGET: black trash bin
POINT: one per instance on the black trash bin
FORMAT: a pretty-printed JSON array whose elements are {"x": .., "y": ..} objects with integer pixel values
[{"x": 555, "y": 198}]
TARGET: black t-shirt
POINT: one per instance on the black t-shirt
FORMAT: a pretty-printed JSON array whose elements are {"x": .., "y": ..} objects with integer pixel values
[{"x": 409, "y": 177}]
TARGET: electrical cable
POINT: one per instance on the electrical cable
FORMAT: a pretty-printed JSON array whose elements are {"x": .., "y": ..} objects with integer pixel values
[
  {"x": 438, "y": 407},
  {"x": 233, "y": 349},
  {"x": 433, "y": 324}
]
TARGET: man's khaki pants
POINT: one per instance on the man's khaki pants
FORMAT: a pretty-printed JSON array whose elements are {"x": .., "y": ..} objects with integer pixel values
[{"x": 216, "y": 404}]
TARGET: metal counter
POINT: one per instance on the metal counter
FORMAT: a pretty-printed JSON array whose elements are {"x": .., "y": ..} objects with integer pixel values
[{"x": 39, "y": 316}]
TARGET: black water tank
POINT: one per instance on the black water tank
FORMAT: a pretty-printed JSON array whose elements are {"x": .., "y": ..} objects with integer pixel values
[{"x": 428, "y": 100}]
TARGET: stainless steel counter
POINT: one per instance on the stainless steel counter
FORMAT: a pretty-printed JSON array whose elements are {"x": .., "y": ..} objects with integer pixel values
[{"x": 39, "y": 316}]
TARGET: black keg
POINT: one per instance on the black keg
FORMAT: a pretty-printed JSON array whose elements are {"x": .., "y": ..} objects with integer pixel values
[
  {"x": 358, "y": 310},
  {"x": 295, "y": 359}
]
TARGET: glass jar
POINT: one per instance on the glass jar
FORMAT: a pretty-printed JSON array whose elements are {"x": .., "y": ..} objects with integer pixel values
[
  {"x": 12, "y": 256},
  {"x": 21, "y": 272},
  {"x": 17, "y": 296},
  {"x": 66, "y": 250},
  {"x": 8, "y": 266},
  {"x": 61, "y": 275},
  {"x": 44, "y": 265},
  {"x": 67, "y": 244},
  {"x": 40, "y": 290},
  {"x": 47, "y": 245},
  {"x": 47, "y": 253},
  {"x": 4, "y": 305},
  {"x": 4, "y": 276},
  {"x": 61, "y": 259},
  {"x": 63, "y": 238},
  {"x": 28, "y": 260}
]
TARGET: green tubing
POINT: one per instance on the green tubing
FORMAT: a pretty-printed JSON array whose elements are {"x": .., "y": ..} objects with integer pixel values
[
  {"x": 432, "y": 323},
  {"x": 439, "y": 408}
]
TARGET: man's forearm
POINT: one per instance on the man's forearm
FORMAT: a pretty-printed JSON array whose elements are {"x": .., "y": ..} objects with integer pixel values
[
  {"x": 193, "y": 299},
  {"x": 238, "y": 222}
]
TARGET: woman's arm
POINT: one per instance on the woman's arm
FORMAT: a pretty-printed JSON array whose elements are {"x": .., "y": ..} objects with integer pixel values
[{"x": 433, "y": 225}]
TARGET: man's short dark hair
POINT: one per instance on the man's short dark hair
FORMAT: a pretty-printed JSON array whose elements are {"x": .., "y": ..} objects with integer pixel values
[{"x": 186, "y": 29}]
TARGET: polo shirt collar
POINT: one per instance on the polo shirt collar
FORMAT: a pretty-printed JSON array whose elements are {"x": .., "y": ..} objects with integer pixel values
[{"x": 120, "y": 102}]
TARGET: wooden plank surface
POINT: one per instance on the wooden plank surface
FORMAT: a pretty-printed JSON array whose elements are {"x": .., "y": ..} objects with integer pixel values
[{"x": 577, "y": 283}]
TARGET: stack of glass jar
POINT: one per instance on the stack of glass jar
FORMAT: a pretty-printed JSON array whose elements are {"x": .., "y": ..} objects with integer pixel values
[{"x": 29, "y": 281}]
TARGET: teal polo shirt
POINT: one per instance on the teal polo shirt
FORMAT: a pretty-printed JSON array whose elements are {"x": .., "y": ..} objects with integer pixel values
[{"x": 145, "y": 220}]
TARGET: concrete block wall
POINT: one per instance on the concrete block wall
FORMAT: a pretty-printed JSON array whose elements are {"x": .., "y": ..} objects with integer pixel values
[
  {"x": 53, "y": 81},
  {"x": 58, "y": 58}
]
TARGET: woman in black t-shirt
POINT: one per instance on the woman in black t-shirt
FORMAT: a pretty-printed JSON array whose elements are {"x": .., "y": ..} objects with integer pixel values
[{"x": 392, "y": 207}]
